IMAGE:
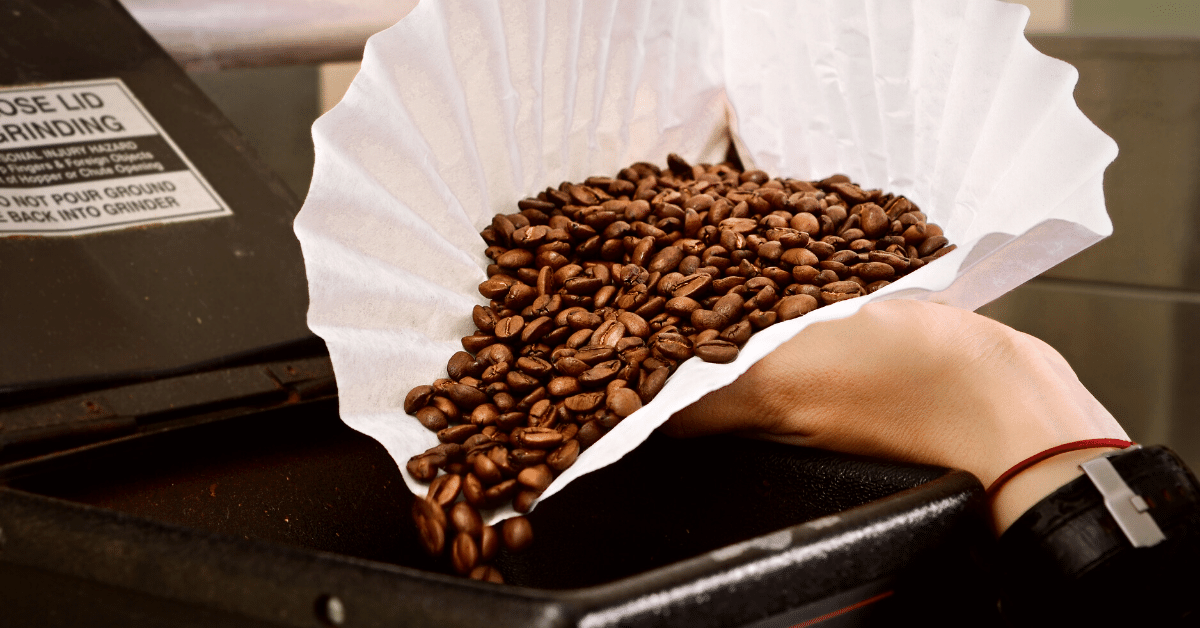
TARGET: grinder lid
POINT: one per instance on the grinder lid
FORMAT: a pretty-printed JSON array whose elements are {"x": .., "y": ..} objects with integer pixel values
[{"x": 139, "y": 234}]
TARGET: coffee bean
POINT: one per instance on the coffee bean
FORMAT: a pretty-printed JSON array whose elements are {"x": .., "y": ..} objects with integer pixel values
[
  {"x": 624, "y": 402},
  {"x": 528, "y": 457},
  {"x": 465, "y": 397},
  {"x": 444, "y": 489},
  {"x": 874, "y": 271},
  {"x": 465, "y": 519},
  {"x": 674, "y": 346},
  {"x": 695, "y": 285},
  {"x": 496, "y": 287},
  {"x": 794, "y": 306},
  {"x": 487, "y": 471},
  {"x": 489, "y": 543},
  {"x": 737, "y": 333},
  {"x": 600, "y": 374},
  {"x": 517, "y": 533},
  {"x": 419, "y": 397},
  {"x": 563, "y": 457},
  {"x": 729, "y": 307},
  {"x": 717, "y": 351},
  {"x": 595, "y": 355},
  {"x": 430, "y": 523},
  {"x": 930, "y": 245},
  {"x": 473, "y": 490},
  {"x": 457, "y": 433},
  {"x": 608, "y": 334},
  {"x": 584, "y": 402},
  {"x": 846, "y": 287},
  {"x": 425, "y": 467},
  {"x": 486, "y": 573},
  {"x": 484, "y": 415},
  {"x": 432, "y": 418},
  {"x": 652, "y": 382},
  {"x": 545, "y": 438},
  {"x": 875, "y": 222},
  {"x": 509, "y": 327},
  {"x": 500, "y": 493},
  {"x": 523, "y": 501},
  {"x": 537, "y": 477},
  {"x": 464, "y": 554}
]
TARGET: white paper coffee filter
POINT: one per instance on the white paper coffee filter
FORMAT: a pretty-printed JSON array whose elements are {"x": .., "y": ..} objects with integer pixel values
[{"x": 463, "y": 108}]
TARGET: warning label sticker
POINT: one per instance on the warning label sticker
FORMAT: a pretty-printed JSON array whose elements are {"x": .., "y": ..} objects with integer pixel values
[{"x": 85, "y": 157}]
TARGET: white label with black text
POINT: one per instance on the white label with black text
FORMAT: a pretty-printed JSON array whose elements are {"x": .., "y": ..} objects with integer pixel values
[{"x": 84, "y": 157}]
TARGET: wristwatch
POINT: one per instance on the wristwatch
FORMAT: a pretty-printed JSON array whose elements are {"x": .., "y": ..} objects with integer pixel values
[{"x": 1121, "y": 542}]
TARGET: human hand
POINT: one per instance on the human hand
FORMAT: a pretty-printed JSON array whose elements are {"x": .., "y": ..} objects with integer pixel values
[{"x": 920, "y": 382}]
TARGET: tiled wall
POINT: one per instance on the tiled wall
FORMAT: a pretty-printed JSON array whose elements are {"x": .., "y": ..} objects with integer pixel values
[{"x": 1126, "y": 312}]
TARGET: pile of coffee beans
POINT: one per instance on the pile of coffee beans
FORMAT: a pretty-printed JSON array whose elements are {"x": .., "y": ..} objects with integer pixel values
[{"x": 599, "y": 290}]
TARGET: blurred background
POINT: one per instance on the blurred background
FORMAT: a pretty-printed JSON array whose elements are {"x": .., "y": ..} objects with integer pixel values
[{"x": 1125, "y": 313}]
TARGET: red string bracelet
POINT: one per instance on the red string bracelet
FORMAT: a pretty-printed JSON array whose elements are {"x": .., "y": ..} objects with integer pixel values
[{"x": 1090, "y": 443}]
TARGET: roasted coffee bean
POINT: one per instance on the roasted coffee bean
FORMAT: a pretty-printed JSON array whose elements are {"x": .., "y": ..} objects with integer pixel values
[
  {"x": 465, "y": 397},
  {"x": 464, "y": 554},
  {"x": 496, "y": 287},
  {"x": 430, "y": 522},
  {"x": 485, "y": 414},
  {"x": 473, "y": 490},
  {"x": 545, "y": 438},
  {"x": 589, "y": 433},
  {"x": 487, "y": 471},
  {"x": 509, "y": 327},
  {"x": 795, "y": 306},
  {"x": 419, "y": 397},
  {"x": 500, "y": 493},
  {"x": 652, "y": 382},
  {"x": 585, "y": 402},
  {"x": 674, "y": 346},
  {"x": 528, "y": 457},
  {"x": 524, "y": 500},
  {"x": 465, "y": 519},
  {"x": 432, "y": 418},
  {"x": 718, "y": 351},
  {"x": 520, "y": 382},
  {"x": 874, "y": 271},
  {"x": 537, "y": 477},
  {"x": 494, "y": 354},
  {"x": 800, "y": 256},
  {"x": 931, "y": 245},
  {"x": 457, "y": 433},
  {"x": 444, "y": 489},
  {"x": 570, "y": 366},
  {"x": 486, "y": 573},
  {"x": 608, "y": 334},
  {"x": 737, "y": 333},
  {"x": 595, "y": 355},
  {"x": 535, "y": 367},
  {"x": 517, "y": 533},
  {"x": 489, "y": 543},
  {"x": 501, "y": 458},
  {"x": 693, "y": 286},
  {"x": 600, "y": 374},
  {"x": 424, "y": 467},
  {"x": 624, "y": 402},
  {"x": 563, "y": 457}
]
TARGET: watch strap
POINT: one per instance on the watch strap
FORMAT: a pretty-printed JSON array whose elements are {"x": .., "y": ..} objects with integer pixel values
[{"x": 1067, "y": 557}]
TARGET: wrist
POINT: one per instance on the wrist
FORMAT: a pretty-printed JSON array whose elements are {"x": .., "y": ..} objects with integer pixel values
[{"x": 1030, "y": 486}]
